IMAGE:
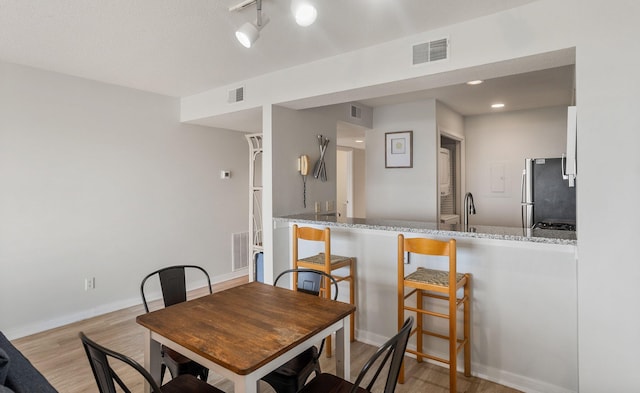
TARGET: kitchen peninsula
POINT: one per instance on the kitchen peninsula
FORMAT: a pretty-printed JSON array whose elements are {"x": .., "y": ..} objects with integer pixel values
[
  {"x": 524, "y": 292},
  {"x": 434, "y": 229}
]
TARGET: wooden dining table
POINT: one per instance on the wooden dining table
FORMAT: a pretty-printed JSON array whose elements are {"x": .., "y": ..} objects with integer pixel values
[{"x": 245, "y": 332}]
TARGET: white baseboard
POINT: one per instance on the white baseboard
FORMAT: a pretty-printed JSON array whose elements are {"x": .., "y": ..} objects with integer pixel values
[
  {"x": 515, "y": 381},
  {"x": 41, "y": 326}
]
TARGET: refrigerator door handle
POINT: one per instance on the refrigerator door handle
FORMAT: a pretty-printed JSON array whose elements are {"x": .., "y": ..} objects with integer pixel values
[
  {"x": 522, "y": 187},
  {"x": 527, "y": 195},
  {"x": 523, "y": 206}
]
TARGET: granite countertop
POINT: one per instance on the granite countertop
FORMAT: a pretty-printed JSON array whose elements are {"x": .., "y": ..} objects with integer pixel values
[{"x": 451, "y": 230}]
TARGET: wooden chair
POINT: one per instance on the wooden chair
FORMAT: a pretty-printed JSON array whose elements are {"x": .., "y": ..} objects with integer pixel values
[
  {"x": 392, "y": 350},
  {"x": 292, "y": 376},
  {"x": 440, "y": 286},
  {"x": 327, "y": 263},
  {"x": 106, "y": 378},
  {"x": 174, "y": 290}
]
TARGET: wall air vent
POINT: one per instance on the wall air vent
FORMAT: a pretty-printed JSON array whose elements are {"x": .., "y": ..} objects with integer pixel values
[
  {"x": 236, "y": 95},
  {"x": 356, "y": 112},
  {"x": 431, "y": 51},
  {"x": 240, "y": 249}
]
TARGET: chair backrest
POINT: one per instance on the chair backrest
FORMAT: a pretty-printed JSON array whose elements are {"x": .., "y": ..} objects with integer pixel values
[
  {"x": 424, "y": 246},
  {"x": 103, "y": 372},
  {"x": 309, "y": 280},
  {"x": 392, "y": 349},
  {"x": 173, "y": 284},
  {"x": 311, "y": 234}
]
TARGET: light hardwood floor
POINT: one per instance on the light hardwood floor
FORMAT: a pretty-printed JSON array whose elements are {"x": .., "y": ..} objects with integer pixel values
[{"x": 59, "y": 355}]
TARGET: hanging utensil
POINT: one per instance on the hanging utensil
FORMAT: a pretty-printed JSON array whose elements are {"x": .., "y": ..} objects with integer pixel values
[
  {"x": 316, "y": 167},
  {"x": 319, "y": 169},
  {"x": 323, "y": 166}
]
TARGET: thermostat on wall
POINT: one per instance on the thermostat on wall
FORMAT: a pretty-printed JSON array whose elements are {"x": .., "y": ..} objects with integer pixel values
[{"x": 225, "y": 174}]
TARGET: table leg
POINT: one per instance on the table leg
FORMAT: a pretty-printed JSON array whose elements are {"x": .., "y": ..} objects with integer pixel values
[
  {"x": 343, "y": 349},
  {"x": 152, "y": 359},
  {"x": 246, "y": 385}
]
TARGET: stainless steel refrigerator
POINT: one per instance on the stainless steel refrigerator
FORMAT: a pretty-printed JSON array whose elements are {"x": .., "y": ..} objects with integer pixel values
[{"x": 547, "y": 200}]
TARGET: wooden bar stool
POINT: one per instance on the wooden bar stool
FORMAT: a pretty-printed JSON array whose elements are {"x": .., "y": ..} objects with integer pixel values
[
  {"x": 439, "y": 285},
  {"x": 327, "y": 263}
]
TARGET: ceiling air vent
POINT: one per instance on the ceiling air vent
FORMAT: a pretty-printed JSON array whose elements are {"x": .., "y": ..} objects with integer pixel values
[
  {"x": 236, "y": 95},
  {"x": 431, "y": 51},
  {"x": 356, "y": 112}
]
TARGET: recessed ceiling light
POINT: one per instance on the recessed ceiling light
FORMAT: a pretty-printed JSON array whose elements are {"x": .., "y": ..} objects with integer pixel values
[
  {"x": 358, "y": 141},
  {"x": 498, "y": 105},
  {"x": 475, "y": 82}
]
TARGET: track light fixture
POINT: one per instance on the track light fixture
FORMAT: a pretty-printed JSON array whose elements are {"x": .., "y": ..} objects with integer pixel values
[
  {"x": 304, "y": 12},
  {"x": 249, "y": 32}
]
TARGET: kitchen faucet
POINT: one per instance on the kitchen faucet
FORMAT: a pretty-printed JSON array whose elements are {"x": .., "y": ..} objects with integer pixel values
[{"x": 469, "y": 208}]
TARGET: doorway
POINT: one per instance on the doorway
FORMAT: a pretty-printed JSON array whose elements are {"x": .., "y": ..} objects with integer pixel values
[
  {"x": 351, "y": 168},
  {"x": 344, "y": 182},
  {"x": 449, "y": 176}
]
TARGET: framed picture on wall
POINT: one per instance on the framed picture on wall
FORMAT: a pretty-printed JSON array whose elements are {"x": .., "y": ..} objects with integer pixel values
[{"x": 398, "y": 149}]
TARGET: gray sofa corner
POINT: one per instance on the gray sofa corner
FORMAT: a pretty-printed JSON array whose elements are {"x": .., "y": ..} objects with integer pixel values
[{"x": 21, "y": 375}]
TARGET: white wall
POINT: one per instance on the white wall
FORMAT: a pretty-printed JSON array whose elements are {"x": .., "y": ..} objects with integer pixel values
[
  {"x": 607, "y": 197},
  {"x": 102, "y": 181},
  {"x": 295, "y": 133},
  {"x": 403, "y": 193},
  {"x": 503, "y": 141},
  {"x": 449, "y": 121}
]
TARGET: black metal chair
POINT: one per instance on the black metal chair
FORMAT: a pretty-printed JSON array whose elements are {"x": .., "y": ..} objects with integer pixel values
[
  {"x": 106, "y": 378},
  {"x": 174, "y": 290},
  {"x": 392, "y": 349},
  {"x": 291, "y": 376}
]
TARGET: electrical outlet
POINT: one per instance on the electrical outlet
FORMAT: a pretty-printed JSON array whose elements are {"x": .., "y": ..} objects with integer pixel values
[
  {"x": 329, "y": 206},
  {"x": 89, "y": 283}
]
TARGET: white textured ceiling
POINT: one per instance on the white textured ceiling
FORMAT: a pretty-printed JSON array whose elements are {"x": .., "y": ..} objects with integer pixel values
[
  {"x": 527, "y": 90},
  {"x": 183, "y": 47}
]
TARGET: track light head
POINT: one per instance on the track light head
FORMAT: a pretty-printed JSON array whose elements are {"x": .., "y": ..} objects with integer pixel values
[{"x": 247, "y": 34}]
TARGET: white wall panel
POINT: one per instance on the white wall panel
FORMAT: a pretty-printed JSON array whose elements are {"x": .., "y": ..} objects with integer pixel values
[{"x": 102, "y": 181}]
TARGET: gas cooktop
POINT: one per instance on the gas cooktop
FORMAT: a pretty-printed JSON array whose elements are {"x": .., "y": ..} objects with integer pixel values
[{"x": 556, "y": 226}]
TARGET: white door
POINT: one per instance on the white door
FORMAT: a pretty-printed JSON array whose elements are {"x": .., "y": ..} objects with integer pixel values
[{"x": 344, "y": 182}]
